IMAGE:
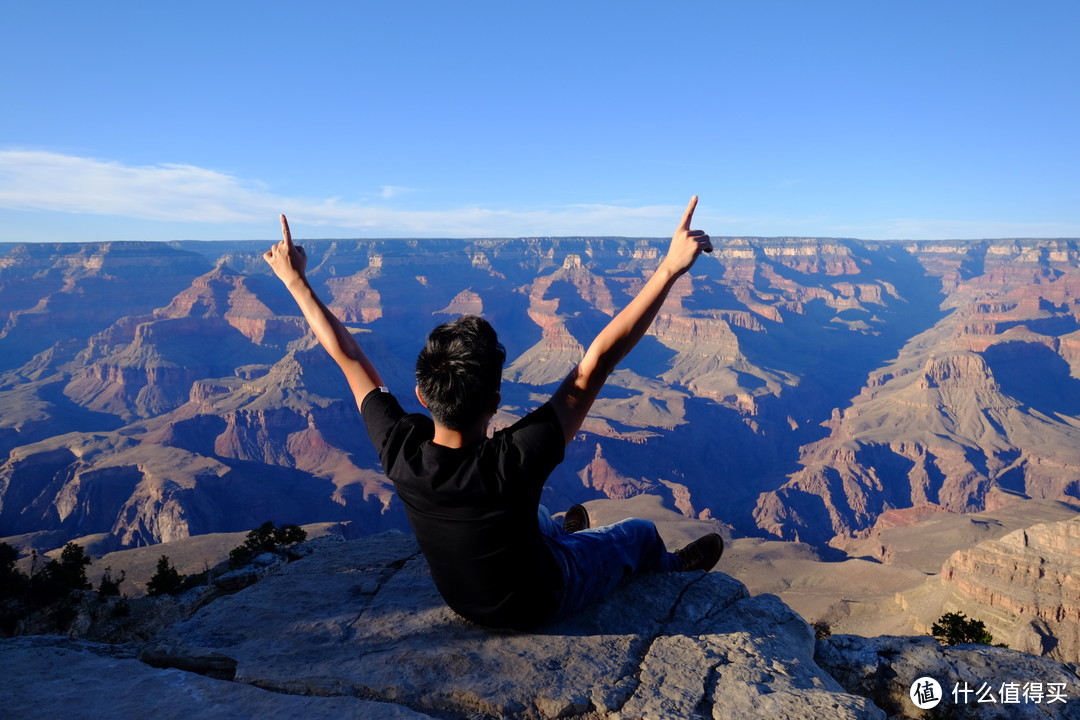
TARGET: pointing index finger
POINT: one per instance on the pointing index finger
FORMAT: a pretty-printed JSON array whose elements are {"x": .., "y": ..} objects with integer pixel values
[
  {"x": 286, "y": 236},
  {"x": 688, "y": 215}
]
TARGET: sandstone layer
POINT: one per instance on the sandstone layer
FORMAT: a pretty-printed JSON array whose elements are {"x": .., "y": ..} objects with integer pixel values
[{"x": 699, "y": 647}]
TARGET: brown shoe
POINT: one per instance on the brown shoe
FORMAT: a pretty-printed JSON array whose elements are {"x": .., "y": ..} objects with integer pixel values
[
  {"x": 577, "y": 518},
  {"x": 702, "y": 554}
]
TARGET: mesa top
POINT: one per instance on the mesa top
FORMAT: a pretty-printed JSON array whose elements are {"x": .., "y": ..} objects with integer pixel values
[{"x": 474, "y": 509}]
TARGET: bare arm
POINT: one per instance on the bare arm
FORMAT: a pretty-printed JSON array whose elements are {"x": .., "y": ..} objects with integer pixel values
[
  {"x": 289, "y": 263},
  {"x": 575, "y": 396}
]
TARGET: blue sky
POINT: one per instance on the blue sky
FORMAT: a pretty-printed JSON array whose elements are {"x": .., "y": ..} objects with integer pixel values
[{"x": 200, "y": 120}]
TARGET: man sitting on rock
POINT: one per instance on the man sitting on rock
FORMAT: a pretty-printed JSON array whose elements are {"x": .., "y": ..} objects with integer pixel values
[{"x": 496, "y": 555}]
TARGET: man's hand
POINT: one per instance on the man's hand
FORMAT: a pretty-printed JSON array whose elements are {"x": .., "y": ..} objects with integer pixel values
[
  {"x": 686, "y": 244},
  {"x": 287, "y": 260},
  {"x": 289, "y": 263}
]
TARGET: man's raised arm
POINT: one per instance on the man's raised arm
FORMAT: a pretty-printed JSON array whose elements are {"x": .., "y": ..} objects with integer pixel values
[
  {"x": 578, "y": 391},
  {"x": 289, "y": 263}
]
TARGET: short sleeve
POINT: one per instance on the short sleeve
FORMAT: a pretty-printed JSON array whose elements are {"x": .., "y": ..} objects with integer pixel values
[
  {"x": 537, "y": 441},
  {"x": 381, "y": 412}
]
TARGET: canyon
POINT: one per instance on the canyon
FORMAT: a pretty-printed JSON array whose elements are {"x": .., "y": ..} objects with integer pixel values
[{"x": 827, "y": 393}]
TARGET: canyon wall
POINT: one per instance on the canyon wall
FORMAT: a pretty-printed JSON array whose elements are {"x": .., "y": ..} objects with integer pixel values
[{"x": 1025, "y": 586}]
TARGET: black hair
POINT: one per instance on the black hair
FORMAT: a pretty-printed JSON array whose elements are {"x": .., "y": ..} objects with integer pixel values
[{"x": 459, "y": 370}]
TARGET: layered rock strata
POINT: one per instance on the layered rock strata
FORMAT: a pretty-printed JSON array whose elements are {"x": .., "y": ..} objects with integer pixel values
[{"x": 1025, "y": 586}]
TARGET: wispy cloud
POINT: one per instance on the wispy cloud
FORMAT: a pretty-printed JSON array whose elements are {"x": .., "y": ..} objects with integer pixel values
[
  {"x": 38, "y": 180},
  {"x": 392, "y": 191},
  {"x": 34, "y": 180}
]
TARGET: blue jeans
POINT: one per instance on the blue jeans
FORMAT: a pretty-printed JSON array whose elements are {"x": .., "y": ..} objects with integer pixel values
[{"x": 594, "y": 561}]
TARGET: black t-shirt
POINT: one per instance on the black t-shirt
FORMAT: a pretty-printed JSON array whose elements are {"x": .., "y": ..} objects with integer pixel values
[{"x": 473, "y": 509}]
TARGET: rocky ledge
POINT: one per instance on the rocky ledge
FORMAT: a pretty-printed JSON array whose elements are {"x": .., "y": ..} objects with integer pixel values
[{"x": 356, "y": 629}]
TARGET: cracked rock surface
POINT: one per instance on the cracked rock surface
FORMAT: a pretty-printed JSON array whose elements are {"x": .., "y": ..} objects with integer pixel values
[
  {"x": 978, "y": 682},
  {"x": 47, "y": 676},
  {"x": 357, "y": 629}
]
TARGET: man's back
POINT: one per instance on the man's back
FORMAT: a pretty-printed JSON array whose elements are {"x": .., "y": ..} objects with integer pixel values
[{"x": 473, "y": 509}]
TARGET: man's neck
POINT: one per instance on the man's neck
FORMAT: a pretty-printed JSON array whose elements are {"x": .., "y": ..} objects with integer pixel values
[{"x": 459, "y": 438}]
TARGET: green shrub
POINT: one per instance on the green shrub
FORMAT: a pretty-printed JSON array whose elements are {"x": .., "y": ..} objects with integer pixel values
[
  {"x": 14, "y": 583},
  {"x": 822, "y": 629},
  {"x": 70, "y": 570},
  {"x": 46, "y": 592},
  {"x": 110, "y": 586},
  {"x": 59, "y": 577},
  {"x": 14, "y": 590}
]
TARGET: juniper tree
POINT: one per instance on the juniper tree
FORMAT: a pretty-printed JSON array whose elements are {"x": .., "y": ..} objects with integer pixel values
[
  {"x": 956, "y": 629},
  {"x": 265, "y": 538},
  {"x": 13, "y": 581}
]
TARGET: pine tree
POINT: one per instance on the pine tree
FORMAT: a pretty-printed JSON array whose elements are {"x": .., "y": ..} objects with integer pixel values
[
  {"x": 166, "y": 581},
  {"x": 70, "y": 570},
  {"x": 13, "y": 582}
]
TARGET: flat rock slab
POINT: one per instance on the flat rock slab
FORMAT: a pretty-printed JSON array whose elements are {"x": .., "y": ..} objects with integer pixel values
[
  {"x": 362, "y": 619},
  {"x": 55, "y": 677}
]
